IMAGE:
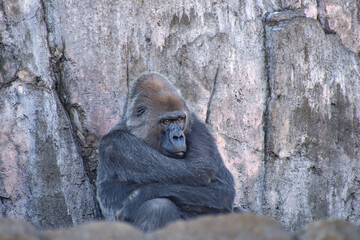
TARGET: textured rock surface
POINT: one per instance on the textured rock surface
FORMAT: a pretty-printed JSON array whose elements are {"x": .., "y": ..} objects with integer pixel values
[
  {"x": 331, "y": 229},
  {"x": 96, "y": 231},
  {"x": 313, "y": 126},
  {"x": 277, "y": 87},
  {"x": 235, "y": 226},
  {"x": 343, "y": 18},
  {"x": 42, "y": 178},
  {"x": 17, "y": 230},
  {"x": 226, "y": 227}
]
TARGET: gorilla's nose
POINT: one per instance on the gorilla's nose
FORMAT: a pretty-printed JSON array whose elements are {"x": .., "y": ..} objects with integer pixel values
[
  {"x": 176, "y": 133},
  {"x": 177, "y": 139},
  {"x": 178, "y": 136}
]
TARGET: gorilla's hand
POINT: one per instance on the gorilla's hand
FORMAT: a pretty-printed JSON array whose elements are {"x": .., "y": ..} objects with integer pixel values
[
  {"x": 203, "y": 177},
  {"x": 131, "y": 203},
  {"x": 206, "y": 178}
]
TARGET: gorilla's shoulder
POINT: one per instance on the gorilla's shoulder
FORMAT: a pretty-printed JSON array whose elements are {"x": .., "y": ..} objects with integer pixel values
[
  {"x": 197, "y": 127},
  {"x": 199, "y": 134},
  {"x": 116, "y": 132}
]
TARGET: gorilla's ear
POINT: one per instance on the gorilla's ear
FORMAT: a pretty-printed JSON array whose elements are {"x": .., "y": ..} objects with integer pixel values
[{"x": 140, "y": 111}]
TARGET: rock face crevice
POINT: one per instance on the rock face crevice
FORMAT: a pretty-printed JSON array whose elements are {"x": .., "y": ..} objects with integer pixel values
[
  {"x": 266, "y": 118},
  {"x": 213, "y": 89},
  {"x": 276, "y": 82}
]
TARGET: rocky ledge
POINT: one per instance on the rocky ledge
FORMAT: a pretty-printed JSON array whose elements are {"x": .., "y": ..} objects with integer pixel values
[{"x": 234, "y": 226}]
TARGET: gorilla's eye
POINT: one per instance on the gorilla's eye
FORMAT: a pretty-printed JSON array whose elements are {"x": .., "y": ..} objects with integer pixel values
[
  {"x": 180, "y": 119},
  {"x": 140, "y": 111},
  {"x": 166, "y": 121}
]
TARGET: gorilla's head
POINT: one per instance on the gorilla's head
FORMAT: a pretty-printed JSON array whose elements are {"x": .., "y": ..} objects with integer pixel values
[{"x": 158, "y": 115}]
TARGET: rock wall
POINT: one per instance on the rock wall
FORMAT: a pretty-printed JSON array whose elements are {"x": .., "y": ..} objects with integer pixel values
[
  {"x": 277, "y": 82},
  {"x": 313, "y": 137}
]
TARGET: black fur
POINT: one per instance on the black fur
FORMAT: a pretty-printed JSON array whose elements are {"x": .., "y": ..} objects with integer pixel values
[{"x": 138, "y": 184}]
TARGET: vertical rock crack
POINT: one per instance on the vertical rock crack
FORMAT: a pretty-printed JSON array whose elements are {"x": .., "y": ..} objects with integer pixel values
[{"x": 212, "y": 95}]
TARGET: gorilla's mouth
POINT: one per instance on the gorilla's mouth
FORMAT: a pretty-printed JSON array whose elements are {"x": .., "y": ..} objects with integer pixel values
[
  {"x": 171, "y": 154},
  {"x": 180, "y": 154}
]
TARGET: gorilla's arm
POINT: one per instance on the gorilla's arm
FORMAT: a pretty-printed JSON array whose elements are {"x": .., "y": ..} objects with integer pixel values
[
  {"x": 216, "y": 197},
  {"x": 219, "y": 194},
  {"x": 125, "y": 198},
  {"x": 123, "y": 155}
]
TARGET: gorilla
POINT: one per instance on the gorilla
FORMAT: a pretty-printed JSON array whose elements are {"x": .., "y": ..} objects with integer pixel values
[{"x": 160, "y": 163}]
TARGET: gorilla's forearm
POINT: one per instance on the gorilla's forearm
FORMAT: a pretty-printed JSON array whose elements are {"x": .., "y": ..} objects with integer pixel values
[
  {"x": 132, "y": 160},
  {"x": 213, "y": 196},
  {"x": 111, "y": 193},
  {"x": 216, "y": 195}
]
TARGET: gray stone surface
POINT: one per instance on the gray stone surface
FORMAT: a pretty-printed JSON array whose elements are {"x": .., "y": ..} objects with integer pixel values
[
  {"x": 341, "y": 17},
  {"x": 312, "y": 164},
  {"x": 42, "y": 178},
  {"x": 279, "y": 91}
]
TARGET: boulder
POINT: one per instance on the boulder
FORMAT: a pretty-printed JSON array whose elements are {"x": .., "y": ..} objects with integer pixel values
[
  {"x": 18, "y": 229},
  {"x": 226, "y": 227},
  {"x": 330, "y": 229},
  {"x": 97, "y": 231}
]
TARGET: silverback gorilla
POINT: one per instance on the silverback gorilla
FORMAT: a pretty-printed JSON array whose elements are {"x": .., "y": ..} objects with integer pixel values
[{"x": 160, "y": 163}]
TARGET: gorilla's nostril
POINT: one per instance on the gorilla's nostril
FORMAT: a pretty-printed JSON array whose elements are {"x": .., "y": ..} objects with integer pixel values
[{"x": 178, "y": 137}]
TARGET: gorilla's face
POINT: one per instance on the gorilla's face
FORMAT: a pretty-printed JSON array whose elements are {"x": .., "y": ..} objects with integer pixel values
[
  {"x": 158, "y": 116},
  {"x": 173, "y": 142}
]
